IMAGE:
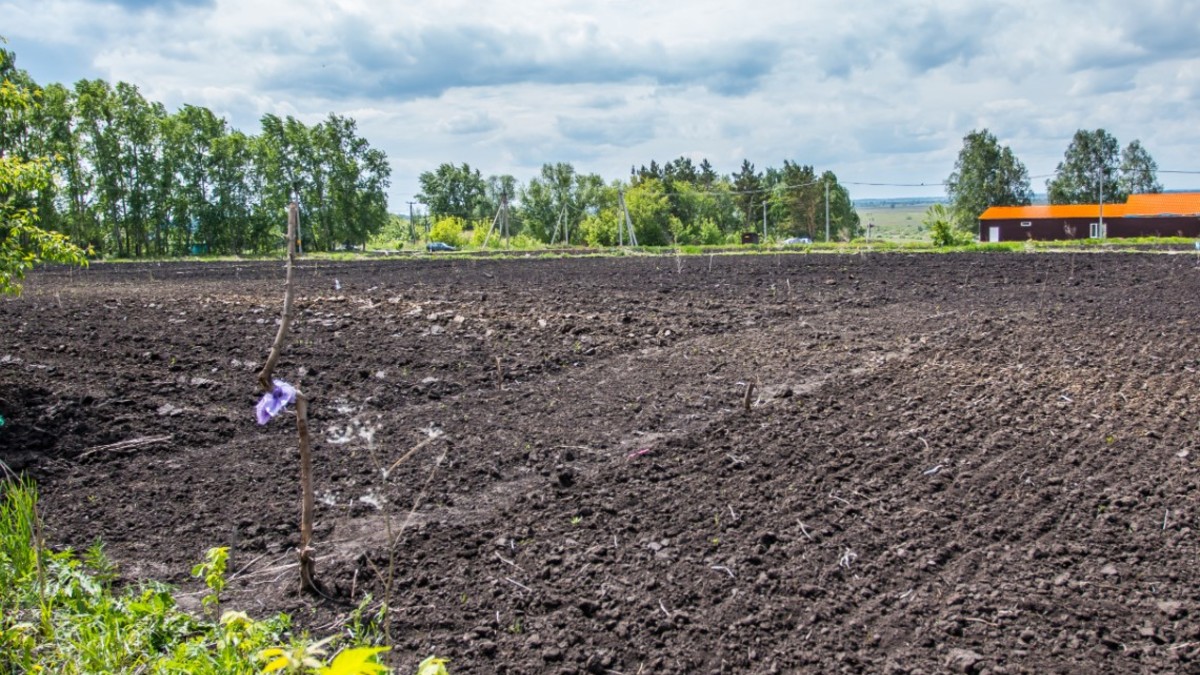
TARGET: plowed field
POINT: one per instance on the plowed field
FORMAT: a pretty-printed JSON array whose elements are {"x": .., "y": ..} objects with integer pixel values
[{"x": 967, "y": 463}]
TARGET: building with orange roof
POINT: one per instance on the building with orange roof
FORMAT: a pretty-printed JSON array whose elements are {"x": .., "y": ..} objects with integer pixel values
[{"x": 1173, "y": 214}]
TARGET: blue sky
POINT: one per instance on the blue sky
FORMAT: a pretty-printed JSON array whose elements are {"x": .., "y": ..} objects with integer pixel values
[{"x": 879, "y": 92}]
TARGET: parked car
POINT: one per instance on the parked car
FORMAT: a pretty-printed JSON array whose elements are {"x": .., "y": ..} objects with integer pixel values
[
  {"x": 797, "y": 241},
  {"x": 439, "y": 246}
]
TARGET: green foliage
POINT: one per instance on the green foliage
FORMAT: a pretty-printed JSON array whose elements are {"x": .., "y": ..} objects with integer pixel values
[
  {"x": 600, "y": 229},
  {"x": 649, "y": 209},
  {"x": 364, "y": 627},
  {"x": 56, "y": 616},
  {"x": 496, "y": 242},
  {"x": 449, "y": 230},
  {"x": 746, "y": 185},
  {"x": 304, "y": 657},
  {"x": 1139, "y": 171},
  {"x": 130, "y": 179},
  {"x": 454, "y": 192},
  {"x": 394, "y": 234},
  {"x": 942, "y": 232},
  {"x": 709, "y": 234},
  {"x": 985, "y": 174},
  {"x": 18, "y": 556},
  {"x": 1089, "y": 164},
  {"x": 23, "y": 243},
  {"x": 212, "y": 571},
  {"x": 99, "y": 565}
]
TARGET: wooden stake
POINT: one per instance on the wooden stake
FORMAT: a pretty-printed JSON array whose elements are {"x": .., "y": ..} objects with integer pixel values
[
  {"x": 264, "y": 375},
  {"x": 307, "y": 562}
]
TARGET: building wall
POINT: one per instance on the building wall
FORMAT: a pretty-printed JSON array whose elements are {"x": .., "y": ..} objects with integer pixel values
[
  {"x": 1039, "y": 229},
  {"x": 1080, "y": 228},
  {"x": 1161, "y": 226}
]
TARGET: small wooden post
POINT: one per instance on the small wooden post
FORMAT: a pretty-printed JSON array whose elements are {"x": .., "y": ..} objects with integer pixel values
[{"x": 265, "y": 383}]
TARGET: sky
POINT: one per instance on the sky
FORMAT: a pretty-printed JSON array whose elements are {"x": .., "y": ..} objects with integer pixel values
[{"x": 881, "y": 92}]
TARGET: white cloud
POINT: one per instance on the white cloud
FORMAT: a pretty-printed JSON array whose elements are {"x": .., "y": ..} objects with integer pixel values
[{"x": 876, "y": 91}]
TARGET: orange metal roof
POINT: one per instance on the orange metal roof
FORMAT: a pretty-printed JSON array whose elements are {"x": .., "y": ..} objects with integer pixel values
[
  {"x": 1052, "y": 211},
  {"x": 1165, "y": 204}
]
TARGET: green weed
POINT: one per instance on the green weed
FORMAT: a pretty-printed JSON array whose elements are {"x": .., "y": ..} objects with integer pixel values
[
  {"x": 60, "y": 614},
  {"x": 212, "y": 571}
]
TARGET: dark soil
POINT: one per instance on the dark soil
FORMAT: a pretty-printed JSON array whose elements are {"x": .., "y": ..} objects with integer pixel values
[{"x": 965, "y": 463}]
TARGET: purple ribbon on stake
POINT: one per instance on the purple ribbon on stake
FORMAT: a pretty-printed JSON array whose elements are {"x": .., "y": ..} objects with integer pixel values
[{"x": 273, "y": 402}]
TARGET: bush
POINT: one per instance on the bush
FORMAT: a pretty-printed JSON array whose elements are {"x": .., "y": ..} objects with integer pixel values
[
  {"x": 448, "y": 230},
  {"x": 941, "y": 228}
]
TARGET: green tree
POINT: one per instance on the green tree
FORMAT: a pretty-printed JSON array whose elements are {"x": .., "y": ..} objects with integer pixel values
[
  {"x": 451, "y": 190},
  {"x": 22, "y": 243},
  {"x": 985, "y": 174},
  {"x": 548, "y": 199},
  {"x": 355, "y": 180},
  {"x": 798, "y": 200},
  {"x": 707, "y": 177},
  {"x": 101, "y": 144},
  {"x": 747, "y": 192},
  {"x": 560, "y": 194},
  {"x": 844, "y": 221},
  {"x": 1139, "y": 171},
  {"x": 1090, "y": 166},
  {"x": 73, "y": 211}
]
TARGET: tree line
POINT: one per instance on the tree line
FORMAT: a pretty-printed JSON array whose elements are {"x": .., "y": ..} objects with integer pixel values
[
  {"x": 129, "y": 178},
  {"x": 1094, "y": 167},
  {"x": 679, "y": 202}
]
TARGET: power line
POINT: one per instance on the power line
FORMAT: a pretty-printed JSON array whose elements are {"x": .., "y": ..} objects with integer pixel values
[
  {"x": 773, "y": 188},
  {"x": 846, "y": 182}
]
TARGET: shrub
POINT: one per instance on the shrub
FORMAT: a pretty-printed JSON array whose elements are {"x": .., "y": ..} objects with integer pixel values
[{"x": 448, "y": 230}]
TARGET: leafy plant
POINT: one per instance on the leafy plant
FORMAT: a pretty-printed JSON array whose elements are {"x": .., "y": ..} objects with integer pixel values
[
  {"x": 367, "y": 628},
  {"x": 212, "y": 571},
  {"x": 73, "y": 623},
  {"x": 101, "y": 566},
  {"x": 942, "y": 231}
]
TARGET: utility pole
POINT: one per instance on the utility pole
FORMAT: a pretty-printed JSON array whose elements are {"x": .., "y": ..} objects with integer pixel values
[
  {"x": 621, "y": 224},
  {"x": 764, "y": 221},
  {"x": 826, "y": 212},
  {"x": 626, "y": 222},
  {"x": 504, "y": 217},
  {"x": 1101, "y": 233},
  {"x": 412, "y": 229}
]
